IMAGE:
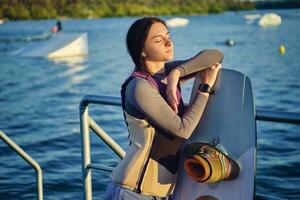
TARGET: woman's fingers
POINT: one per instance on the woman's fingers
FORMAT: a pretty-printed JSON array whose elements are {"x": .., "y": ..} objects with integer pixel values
[
  {"x": 215, "y": 66},
  {"x": 175, "y": 97},
  {"x": 172, "y": 100},
  {"x": 174, "y": 106},
  {"x": 209, "y": 75},
  {"x": 171, "y": 91}
]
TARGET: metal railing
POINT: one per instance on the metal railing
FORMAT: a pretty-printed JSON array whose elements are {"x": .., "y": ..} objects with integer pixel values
[
  {"x": 28, "y": 159},
  {"x": 277, "y": 116},
  {"x": 87, "y": 122}
]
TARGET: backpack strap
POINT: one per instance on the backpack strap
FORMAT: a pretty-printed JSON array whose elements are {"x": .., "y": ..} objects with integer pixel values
[
  {"x": 133, "y": 75},
  {"x": 149, "y": 78}
]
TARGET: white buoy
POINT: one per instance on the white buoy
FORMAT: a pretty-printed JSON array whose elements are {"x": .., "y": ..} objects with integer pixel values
[
  {"x": 252, "y": 16},
  {"x": 270, "y": 19},
  {"x": 175, "y": 22},
  {"x": 230, "y": 42}
]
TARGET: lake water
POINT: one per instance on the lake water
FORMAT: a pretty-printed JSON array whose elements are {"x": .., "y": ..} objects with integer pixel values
[{"x": 39, "y": 98}]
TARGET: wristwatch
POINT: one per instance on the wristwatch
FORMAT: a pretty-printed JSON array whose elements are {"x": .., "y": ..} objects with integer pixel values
[{"x": 204, "y": 87}]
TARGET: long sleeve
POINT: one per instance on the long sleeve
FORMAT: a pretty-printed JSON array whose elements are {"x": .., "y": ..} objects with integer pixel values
[
  {"x": 142, "y": 96},
  {"x": 200, "y": 61}
]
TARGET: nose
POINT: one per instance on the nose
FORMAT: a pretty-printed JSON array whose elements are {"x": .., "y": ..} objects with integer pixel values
[{"x": 168, "y": 41}]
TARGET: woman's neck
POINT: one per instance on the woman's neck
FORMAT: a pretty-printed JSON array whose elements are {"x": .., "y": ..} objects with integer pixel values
[{"x": 154, "y": 67}]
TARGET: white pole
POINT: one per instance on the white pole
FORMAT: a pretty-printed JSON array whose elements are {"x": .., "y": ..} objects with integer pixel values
[{"x": 85, "y": 151}]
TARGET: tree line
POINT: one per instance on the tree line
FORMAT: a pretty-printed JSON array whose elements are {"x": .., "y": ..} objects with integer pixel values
[
  {"x": 49, "y": 9},
  {"x": 277, "y": 4}
]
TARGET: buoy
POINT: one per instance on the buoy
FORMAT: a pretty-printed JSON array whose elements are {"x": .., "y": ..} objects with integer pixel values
[
  {"x": 54, "y": 29},
  {"x": 281, "y": 49},
  {"x": 252, "y": 16},
  {"x": 230, "y": 42},
  {"x": 175, "y": 22},
  {"x": 270, "y": 19}
]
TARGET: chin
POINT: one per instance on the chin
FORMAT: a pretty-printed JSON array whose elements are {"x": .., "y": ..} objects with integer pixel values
[{"x": 169, "y": 58}]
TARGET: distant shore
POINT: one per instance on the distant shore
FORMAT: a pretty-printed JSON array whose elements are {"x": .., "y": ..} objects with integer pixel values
[{"x": 52, "y": 9}]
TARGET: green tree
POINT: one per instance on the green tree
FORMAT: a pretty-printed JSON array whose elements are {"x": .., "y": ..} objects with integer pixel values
[
  {"x": 45, "y": 9},
  {"x": 19, "y": 11}
]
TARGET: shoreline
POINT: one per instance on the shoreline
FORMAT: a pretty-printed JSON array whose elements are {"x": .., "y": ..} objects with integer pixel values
[
  {"x": 3, "y": 20},
  {"x": 63, "y": 18},
  {"x": 85, "y": 9},
  {"x": 20, "y": 10}
]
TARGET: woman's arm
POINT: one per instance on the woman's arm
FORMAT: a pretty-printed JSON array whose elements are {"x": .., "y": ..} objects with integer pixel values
[
  {"x": 146, "y": 99},
  {"x": 188, "y": 68}
]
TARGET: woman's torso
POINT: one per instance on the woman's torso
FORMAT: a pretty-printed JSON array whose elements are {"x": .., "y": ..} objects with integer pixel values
[{"x": 151, "y": 162}]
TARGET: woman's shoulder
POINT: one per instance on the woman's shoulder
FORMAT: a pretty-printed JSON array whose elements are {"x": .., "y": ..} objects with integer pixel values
[{"x": 138, "y": 84}]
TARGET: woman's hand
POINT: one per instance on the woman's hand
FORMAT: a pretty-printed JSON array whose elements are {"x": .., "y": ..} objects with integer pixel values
[
  {"x": 209, "y": 75},
  {"x": 173, "y": 79}
]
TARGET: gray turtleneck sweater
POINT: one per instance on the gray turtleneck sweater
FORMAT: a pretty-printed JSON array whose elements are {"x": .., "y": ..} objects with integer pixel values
[{"x": 142, "y": 99}]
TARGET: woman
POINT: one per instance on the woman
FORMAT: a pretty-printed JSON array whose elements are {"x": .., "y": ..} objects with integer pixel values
[{"x": 155, "y": 114}]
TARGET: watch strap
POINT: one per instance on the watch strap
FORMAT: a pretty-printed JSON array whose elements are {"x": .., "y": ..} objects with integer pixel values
[{"x": 204, "y": 87}]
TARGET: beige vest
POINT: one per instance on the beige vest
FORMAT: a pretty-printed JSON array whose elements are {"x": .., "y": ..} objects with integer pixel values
[{"x": 151, "y": 162}]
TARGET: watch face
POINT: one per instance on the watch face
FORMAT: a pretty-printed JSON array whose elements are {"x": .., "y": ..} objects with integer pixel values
[{"x": 204, "y": 87}]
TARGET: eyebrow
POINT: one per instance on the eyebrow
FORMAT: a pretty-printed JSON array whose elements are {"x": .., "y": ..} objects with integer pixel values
[{"x": 159, "y": 35}]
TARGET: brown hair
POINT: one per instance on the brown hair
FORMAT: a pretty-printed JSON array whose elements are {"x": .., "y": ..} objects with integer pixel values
[{"x": 136, "y": 37}]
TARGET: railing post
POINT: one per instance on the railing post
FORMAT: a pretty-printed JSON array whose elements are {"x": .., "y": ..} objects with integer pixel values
[
  {"x": 277, "y": 116},
  {"x": 85, "y": 151},
  {"x": 29, "y": 160},
  {"x": 106, "y": 138}
]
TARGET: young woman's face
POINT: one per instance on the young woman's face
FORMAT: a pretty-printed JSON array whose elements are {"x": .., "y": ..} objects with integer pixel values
[{"x": 158, "y": 45}]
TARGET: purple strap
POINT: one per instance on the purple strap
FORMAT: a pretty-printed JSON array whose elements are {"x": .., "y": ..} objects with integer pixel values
[
  {"x": 145, "y": 76},
  {"x": 154, "y": 82}
]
